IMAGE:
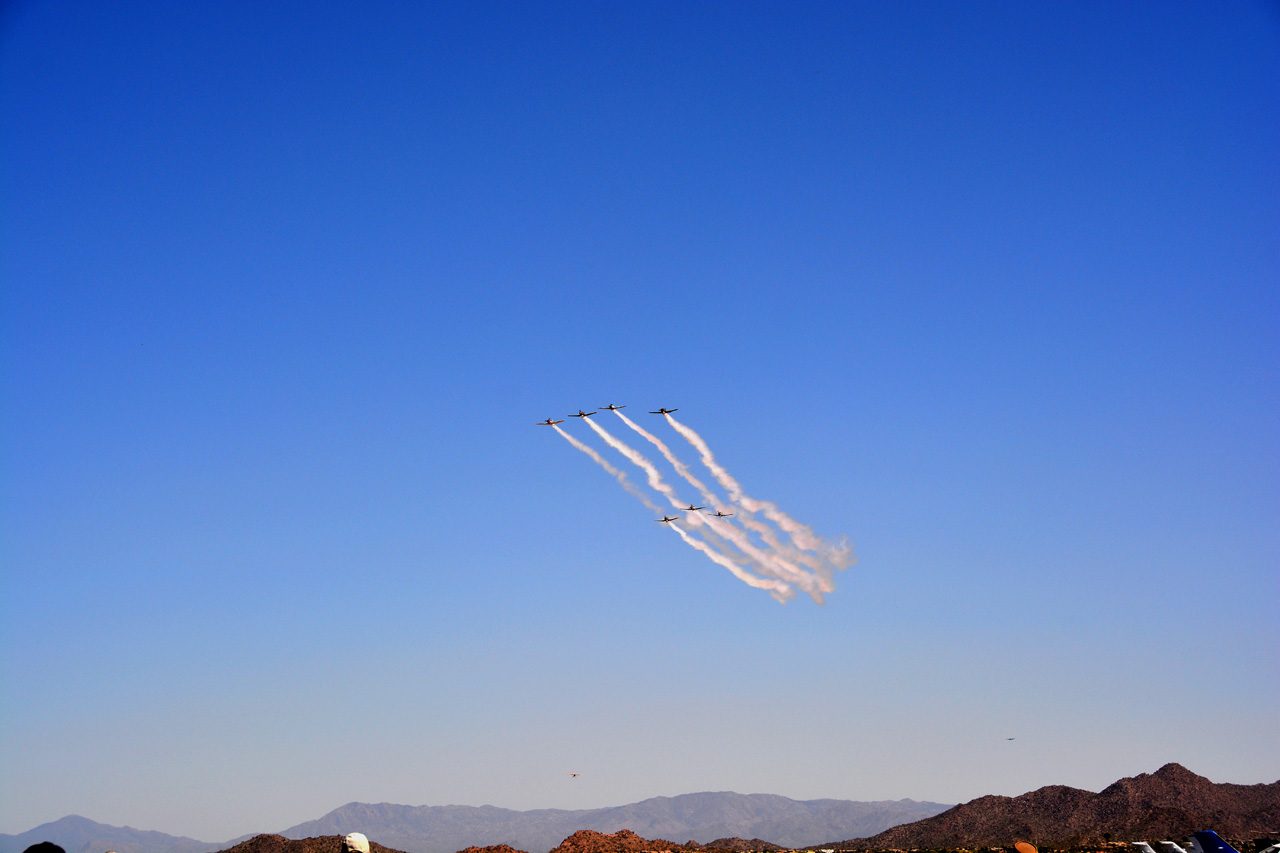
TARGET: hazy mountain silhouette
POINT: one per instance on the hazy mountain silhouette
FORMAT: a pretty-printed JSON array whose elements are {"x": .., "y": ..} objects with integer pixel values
[
  {"x": 445, "y": 829},
  {"x": 699, "y": 817},
  {"x": 77, "y": 834}
]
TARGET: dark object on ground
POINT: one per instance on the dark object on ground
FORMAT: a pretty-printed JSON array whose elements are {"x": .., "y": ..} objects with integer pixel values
[
  {"x": 44, "y": 847},
  {"x": 1173, "y": 802},
  {"x": 493, "y": 848}
]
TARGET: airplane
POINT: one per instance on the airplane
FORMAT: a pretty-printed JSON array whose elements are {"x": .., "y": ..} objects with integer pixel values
[
  {"x": 1208, "y": 841},
  {"x": 718, "y": 514},
  {"x": 549, "y": 422},
  {"x": 667, "y": 519},
  {"x": 611, "y": 407},
  {"x": 1201, "y": 842},
  {"x": 582, "y": 414},
  {"x": 1171, "y": 847},
  {"x": 573, "y": 774},
  {"x": 692, "y": 508},
  {"x": 664, "y": 411}
]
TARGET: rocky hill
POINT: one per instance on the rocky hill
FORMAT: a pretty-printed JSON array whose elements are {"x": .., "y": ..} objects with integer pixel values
[
  {"x": 1170, "y": 803},
  {"x": 280, "y": 844},
  {"x": 626, "y": 841}
]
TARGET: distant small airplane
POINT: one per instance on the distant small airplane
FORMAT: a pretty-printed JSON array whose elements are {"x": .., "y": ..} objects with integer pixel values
[
  {"x": 611, "y": 407},
  {"x": 664, "y": 411},
  {"x": 574, "y": 774},
  {"x": 549, "y": 422},
  {"x": 667, "y": 519},
  {"x": 582, "y": 414},
  {"x": 719, "y": 514},
  {"x": 1011, "y": 738},
  {"x": 692, "y": 508}
]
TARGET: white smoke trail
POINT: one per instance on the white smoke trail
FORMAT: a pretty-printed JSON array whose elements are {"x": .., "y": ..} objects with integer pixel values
[
  {"x": 778, "y": 589},
  {"x": 681, "y": 468},
  {"x": 619, "y": 475},
  {"x": 839, "y": 556},
  {"x": 729, "y": 532},
  {"x": 768, "y": 564},
  {"x": 655, "y": 477}
]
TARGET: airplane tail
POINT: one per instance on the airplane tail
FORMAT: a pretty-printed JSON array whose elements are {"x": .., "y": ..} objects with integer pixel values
[
  {"x": 1143, "y": 847},
  {"x": 1171, "y": 847},
  {"x": 1211, "y": 843}
]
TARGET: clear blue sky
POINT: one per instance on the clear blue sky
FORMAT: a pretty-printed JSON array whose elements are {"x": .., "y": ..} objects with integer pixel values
[{"x": 991, "y": 289}]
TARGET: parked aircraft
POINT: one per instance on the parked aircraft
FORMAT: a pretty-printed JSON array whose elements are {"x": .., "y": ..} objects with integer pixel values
[
  {"x": 582, "y": 414},
  {"x": 667, "y": 519},
  {"x": 664, "y": 411},
  {"x": 1208, "y": 841},
  {"x": 549, "y": 422},
  {"x": 611, "y": 407}
]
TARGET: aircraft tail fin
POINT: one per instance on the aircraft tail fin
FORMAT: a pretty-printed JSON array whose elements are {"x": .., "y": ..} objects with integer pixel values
[
  {"x": 1143, "y": 847},
  {"x": 1170, "y": 847},
  {"x": 1211, "y": 843}
]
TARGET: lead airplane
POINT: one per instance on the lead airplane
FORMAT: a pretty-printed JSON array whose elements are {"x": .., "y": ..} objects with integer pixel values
[
  {"x": 667, "y": 519},
  {"x": 549, "y": 422},
  {"x": 692, "y": 508},
  {"x": 611, "y": 407},
  {"x": 664, "y": 411},
  {"x": 582, "y": 414},
  {"x": 719, "y": 514}
]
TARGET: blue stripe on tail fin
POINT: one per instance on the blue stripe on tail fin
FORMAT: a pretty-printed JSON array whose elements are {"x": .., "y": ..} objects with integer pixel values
[{"x": 1211, "y": 843}]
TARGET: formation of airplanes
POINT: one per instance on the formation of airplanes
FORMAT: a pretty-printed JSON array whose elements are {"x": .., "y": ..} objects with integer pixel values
[
  {"x": 662, "y": 411},
  {"x": 609, "y": 408}
]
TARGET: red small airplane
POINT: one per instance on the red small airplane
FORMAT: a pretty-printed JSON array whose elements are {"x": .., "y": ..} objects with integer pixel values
[{"x": 549, "y": 422}]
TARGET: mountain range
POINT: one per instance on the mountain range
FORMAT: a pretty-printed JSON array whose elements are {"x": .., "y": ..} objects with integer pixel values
[
  {"x": 1167, "y": 804},
  {"x": 444, "y": 829}
]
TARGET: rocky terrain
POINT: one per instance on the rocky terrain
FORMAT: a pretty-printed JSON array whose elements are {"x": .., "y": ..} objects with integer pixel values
[
  {"x": 280, "y": 844},
  {"x": 626, "y": 841},
  {"x": 1168, "y": 804}
]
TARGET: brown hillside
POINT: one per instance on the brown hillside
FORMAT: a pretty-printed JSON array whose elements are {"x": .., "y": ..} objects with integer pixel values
[
  {"x": 492, "y": 848},
  {"x": 742, "y": 845},
  {"x": 1173, "y": 802},
  {"x": 280, "y": 844},
  {"x": 622, "y": 841}
]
